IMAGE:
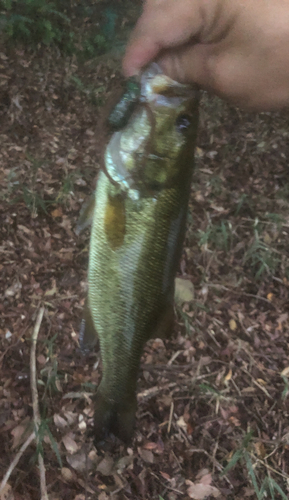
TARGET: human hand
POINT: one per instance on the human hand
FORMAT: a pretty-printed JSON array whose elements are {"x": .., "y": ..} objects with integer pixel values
[{"x": 237, "y": 49}]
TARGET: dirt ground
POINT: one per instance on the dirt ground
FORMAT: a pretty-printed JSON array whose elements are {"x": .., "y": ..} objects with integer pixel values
[{"x": 213, "y": 406}]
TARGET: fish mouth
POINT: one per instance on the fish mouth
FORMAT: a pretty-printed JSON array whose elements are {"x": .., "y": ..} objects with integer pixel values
[
  {"x": 163, "y": 90},
  {"x": 129, "y": 148}
]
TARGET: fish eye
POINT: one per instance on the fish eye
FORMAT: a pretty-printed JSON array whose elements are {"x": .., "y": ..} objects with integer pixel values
[{"x": 183, "y": 122}]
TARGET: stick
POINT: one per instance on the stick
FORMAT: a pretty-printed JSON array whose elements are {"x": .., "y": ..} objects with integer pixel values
[
  {"x": 15, "y": 461},
  {"x": 34, "y": 393}
]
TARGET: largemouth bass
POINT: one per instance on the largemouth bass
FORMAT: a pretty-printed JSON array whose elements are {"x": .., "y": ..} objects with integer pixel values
[{"x": 137, "y": 233}]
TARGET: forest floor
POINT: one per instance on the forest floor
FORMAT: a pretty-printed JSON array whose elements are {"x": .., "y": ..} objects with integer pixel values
[{"x": 213, "y": 405}]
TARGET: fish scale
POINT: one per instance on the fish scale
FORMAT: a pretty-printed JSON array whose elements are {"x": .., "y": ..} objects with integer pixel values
[{"x": 136, "y": 241}]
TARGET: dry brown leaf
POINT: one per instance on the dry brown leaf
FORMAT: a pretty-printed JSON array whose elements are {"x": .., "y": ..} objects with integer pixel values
[
  {"x": 78, "y": 461},
  {"x": 184, "y": 291},
  {"x": 20, "y": 433},
  {"x": 124, "y": 462},
  {"x": 181, "y": 423},
  {"x": 285, "y": 372},
  {"x": 41, "y": 359},
  {"x": 69, "y": 443},
  {"x": 165, "y": 476},
  {"x": 103, "y": 496},
  {"x": 59, "y": 421},
  {"x": 57, "y": 212},
  {"x": 232, "y": 325},
  {"x": 7, "y": 493},
  {"x": 200, "y": 491},
  {"x": 105, "y": 467},
  {"x": 146, "y": 455},
  {"x": 67, "y": 474},
  {"x": 260, "y": 449},
  {"x": 150, "y": 446},
  {"x": 51, "y": 292}
]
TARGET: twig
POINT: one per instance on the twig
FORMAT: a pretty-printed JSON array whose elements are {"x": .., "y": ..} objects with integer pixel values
[
  {"x": 34, "y": 393},
  {"x": 15, "y": 461},
  {"x": 239, "y": 292},
  {"x": 171, "y": 417}
]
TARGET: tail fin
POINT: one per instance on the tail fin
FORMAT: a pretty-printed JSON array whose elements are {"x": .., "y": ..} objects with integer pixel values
[{"x": 115, "y": 418}]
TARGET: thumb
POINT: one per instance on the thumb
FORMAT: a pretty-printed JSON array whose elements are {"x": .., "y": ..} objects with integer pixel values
[
  {"x": 190, "y": 64},
  {"x": 139, "y": 54}
]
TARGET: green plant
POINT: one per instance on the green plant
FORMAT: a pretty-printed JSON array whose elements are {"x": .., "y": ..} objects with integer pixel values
[
  {"x": 31, "y": 194},
  {"x": 42, "y": 431},
  {"x": 262, "y": 258},
  {"x": 100, "y": 42},
  {"x": 216, "y": 184},
  {"x": 244, "y": 454},
  {"x": 275, "y": 219},
  {"x": 218, "y": 236},
  {"x": 94, "y": 95},
  {"x": 49, "y": 373},
  {"x": 285, "y": 391},
  {"x": 34, "y": 22}
]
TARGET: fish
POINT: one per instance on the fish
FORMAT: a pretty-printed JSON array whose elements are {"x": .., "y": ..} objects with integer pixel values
[{"x": 138, "y": 228}]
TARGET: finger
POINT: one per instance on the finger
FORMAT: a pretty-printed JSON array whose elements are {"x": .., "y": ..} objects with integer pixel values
[
  {"x": 139, "y": 54},
  {"x": 228, "y": 74},
  {"x": 161, "y": 26},
  {"x": 189, "y": 64}
]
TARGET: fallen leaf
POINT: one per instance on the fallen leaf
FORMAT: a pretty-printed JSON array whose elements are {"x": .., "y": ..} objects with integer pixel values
[
  {"x": 184, "y": 291},
  {"x": 232, "y": 325},
  {"x": 57, "y": 212},
  {"x": 67, "y": 474},
  {"x": 59, "y": 421},
  {"x": 124, "y": 462},
  {"x": 105, "y": 467},
  {"x": 200, "y": 491},
  {"x": 103, "y": 496},
  {"x": 182, "y": 424},
  {"x": 51, "y": 292},
  {"x": 20, "y": 433},
  {"x": 285, "y": 372},
  {"x": 260, "y": 449},
  {"x": 165, "y": 476},
  {"x": 69, "y": 444},
  {"x": 41, "y": 359},
  {"x": 13, "y": 289},
  {"x": 7, "y": 493},
  {"x": 150, "y": 446},
  {"x": 78, "y": 461},
  {"x": 146, "y": 455}
]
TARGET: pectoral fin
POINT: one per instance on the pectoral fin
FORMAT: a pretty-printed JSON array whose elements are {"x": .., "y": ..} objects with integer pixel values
[
  {"x": 87, "y": 333},
  {"x": 86, "y": 214}
]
